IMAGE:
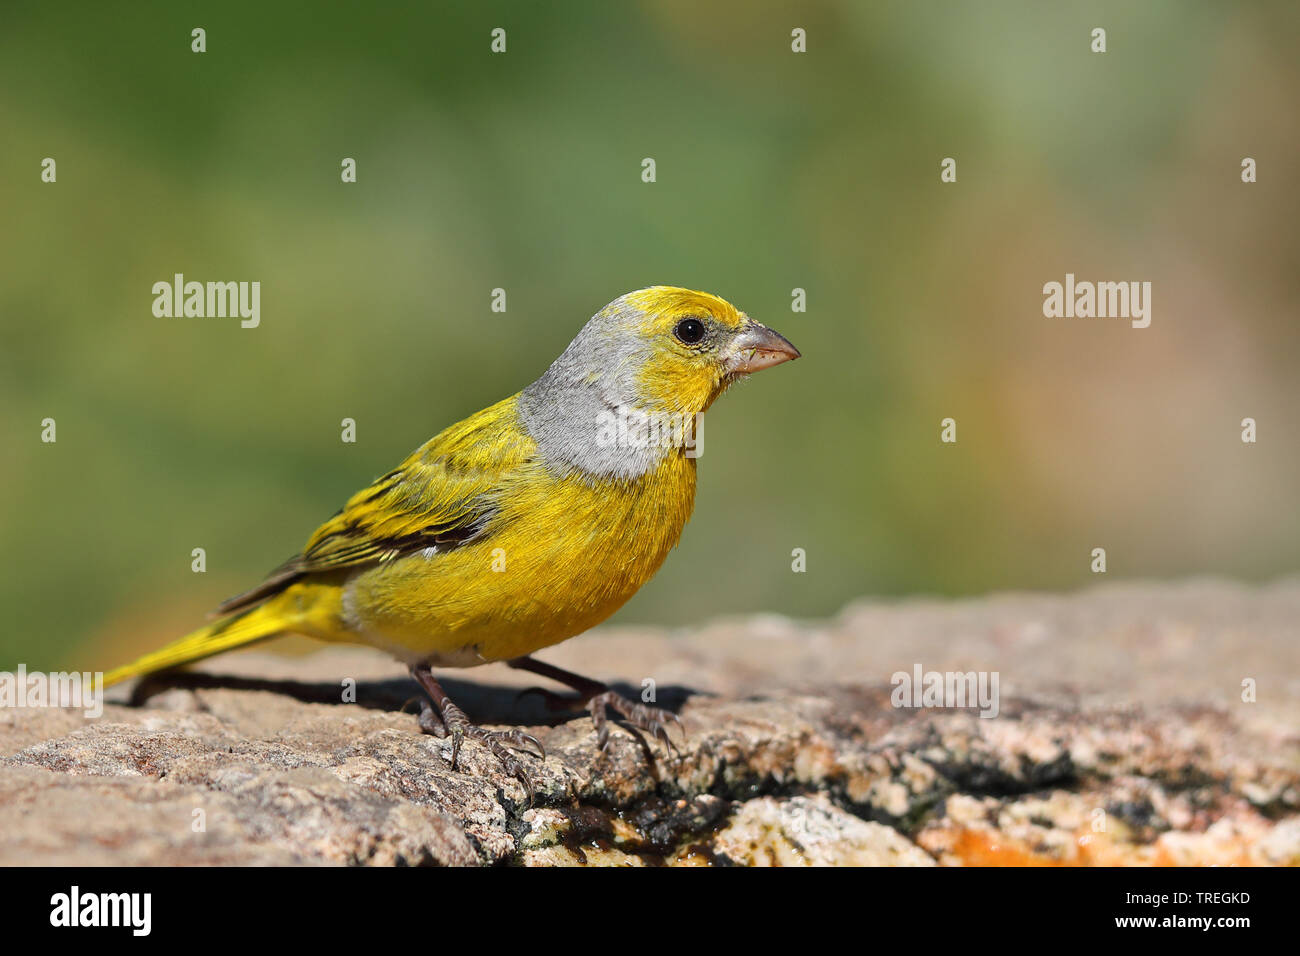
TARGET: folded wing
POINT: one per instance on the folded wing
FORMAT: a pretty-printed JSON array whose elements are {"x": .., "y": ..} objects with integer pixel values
[{"x": 445, "y": 494}]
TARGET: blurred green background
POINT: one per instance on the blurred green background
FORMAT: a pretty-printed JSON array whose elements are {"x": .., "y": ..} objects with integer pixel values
[{"x": 775, "y": 170}]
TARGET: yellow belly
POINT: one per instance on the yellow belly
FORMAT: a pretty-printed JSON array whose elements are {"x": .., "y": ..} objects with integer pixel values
[{"x": 563, "y": 555}]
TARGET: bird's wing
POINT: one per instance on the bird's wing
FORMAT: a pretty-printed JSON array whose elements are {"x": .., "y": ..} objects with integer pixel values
[{"x": 444, "y": 494}]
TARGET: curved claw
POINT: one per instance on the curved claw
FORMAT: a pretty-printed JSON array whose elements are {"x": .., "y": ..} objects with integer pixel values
[
  {"x": 661, "y": 733},
  {"x": 456, "y": 725},
  {"x": 493, "y": 741},
  {"x": 528, "y": 784},
  {"x": 457, "y": 735},
  {"x": 652, "y": 720},
  {"x": 523, "y": 741}
]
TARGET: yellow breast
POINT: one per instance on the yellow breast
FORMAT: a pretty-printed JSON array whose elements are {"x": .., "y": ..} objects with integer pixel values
[{"x": 564, "y": 553}]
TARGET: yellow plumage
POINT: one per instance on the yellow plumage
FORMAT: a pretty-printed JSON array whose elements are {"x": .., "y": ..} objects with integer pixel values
[{"x": 515, "y": 528}]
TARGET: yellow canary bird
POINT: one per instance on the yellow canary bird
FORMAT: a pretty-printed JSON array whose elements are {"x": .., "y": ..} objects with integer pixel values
[{"x": 521, "y": 526}]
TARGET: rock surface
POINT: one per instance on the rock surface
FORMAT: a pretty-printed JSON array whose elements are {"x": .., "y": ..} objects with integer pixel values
[{"x": 1121, "y": 737}]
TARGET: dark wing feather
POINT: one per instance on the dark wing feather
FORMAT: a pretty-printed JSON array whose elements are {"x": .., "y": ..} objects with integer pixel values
[{"x": 443, "y": 495}]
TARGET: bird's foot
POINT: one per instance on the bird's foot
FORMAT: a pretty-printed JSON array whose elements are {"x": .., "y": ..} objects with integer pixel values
[
  {"x": 653, "y": 720},
  {"x": 448, "y": 720},
  {"x": 598, "y": 700}
]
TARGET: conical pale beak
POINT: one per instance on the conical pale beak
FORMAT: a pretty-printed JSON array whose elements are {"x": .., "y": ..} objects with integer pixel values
[{"x": 757, "y": 347}]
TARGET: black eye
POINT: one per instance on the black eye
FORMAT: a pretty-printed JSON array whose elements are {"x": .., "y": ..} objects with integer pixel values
[{"x": 689, "y": 331}]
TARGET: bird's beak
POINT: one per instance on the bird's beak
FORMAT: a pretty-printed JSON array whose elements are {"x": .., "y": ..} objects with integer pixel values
[{"x": 756, "y": 347}]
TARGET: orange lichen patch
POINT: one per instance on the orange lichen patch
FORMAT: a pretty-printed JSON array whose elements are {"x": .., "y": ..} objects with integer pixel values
[
  {"x": 1076, "y": 828},
  {"x": 963, "y": 846},
  {"x": 978, "y": 848}
]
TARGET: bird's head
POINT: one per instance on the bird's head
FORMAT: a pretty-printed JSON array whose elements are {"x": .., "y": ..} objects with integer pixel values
[
  {"x": 661, "y": 350},
  {"x": 694, "y": 345},
  {"x": 667, "y": 349}
]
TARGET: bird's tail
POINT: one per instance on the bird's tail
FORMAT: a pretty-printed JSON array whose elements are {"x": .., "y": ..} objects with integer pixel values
[{"x": 256, "y": 624}]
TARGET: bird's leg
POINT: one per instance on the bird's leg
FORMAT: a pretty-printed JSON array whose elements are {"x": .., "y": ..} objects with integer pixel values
[
  {"x": 456, "y": 725},
  {"x": 597, "y": 698}
]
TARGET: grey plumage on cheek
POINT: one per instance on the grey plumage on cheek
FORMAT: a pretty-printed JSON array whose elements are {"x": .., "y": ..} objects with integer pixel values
[{"x": 567, "y": 411}]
